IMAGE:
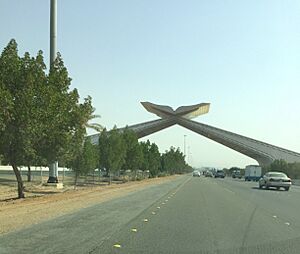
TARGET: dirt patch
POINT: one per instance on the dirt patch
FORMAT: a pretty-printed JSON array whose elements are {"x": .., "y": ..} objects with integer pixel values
[{"x": 15, "y": 214}]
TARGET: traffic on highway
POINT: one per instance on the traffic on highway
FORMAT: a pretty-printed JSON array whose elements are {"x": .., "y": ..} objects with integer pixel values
[
  {"x": 252, "y": 173},
  {"x": 187, "y": 215}
]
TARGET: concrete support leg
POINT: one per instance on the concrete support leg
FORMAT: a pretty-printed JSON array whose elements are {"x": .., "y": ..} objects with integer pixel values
[{"x": 53, "y": 173}]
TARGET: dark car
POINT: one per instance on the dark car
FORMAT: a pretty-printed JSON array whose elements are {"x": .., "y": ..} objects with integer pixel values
[
  {"x": 236, "y": 174},
  {"x": 219, "y": 174}
]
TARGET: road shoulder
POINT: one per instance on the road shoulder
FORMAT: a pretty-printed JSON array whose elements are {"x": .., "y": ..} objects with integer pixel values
[{"x": 16, "y": 214}]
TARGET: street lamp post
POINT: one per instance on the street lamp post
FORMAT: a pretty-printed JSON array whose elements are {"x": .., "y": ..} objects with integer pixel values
[
  {"x": 53, "y": 167},
  {"x": 53, "y": 30}
]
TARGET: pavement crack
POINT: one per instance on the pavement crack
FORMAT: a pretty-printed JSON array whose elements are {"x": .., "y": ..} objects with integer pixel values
[{"x": 245, "y": 236}]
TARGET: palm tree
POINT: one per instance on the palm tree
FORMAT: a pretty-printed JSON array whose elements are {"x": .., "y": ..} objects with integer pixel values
[{"x": 94, "y": 126}]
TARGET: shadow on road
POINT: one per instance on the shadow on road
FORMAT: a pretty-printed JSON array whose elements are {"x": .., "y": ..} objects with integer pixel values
[
  {"x": 8, "y": 199},
  {"x": 264, "y": 189},
  {"x": 7, "y": 180},
  {"x": 42, "y": 192}
]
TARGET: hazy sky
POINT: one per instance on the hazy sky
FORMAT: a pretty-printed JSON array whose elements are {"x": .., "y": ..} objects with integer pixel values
[{"x": 241, "y": 56}]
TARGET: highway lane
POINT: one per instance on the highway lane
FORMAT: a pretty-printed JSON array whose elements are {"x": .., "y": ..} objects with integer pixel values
[
  {"x": 282, "y": 204},
  {"x": 214, "y": 216},
  {"x": 188, "y": 215},
  {"x": 87, "y": 229}
]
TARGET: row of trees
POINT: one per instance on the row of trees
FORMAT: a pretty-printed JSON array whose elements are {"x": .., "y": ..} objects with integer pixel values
[
  {"x": 42, "y": 121},
  {"x": 291, "y": 169},
  {"x": 120, "y": 150},
  {"x": 41, "y": 118}
]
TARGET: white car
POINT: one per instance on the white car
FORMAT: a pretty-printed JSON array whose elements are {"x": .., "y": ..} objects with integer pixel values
[
  {"x": 196, "y": 173},
  {"x": 275, "y": 179}
]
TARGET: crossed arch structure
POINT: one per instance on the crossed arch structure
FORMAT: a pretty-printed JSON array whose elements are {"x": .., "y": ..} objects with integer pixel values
[{"x": 262, "y": 152}]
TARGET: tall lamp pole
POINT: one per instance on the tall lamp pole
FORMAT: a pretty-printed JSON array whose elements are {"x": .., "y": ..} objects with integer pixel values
[
  {"x": 53, "y": 30},
  {"x": 53, "y": 167}
]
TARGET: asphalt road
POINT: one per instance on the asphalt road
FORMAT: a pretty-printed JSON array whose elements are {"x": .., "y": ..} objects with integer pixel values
[{"x": 188, "y": 215}]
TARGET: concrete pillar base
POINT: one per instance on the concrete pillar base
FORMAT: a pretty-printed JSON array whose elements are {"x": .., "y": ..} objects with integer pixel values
[
  {"x": 56, "y": 185},
  {"x": 52, "y": 179}
]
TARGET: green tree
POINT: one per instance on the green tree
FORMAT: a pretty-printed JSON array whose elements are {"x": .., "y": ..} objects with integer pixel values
[
  {"x": 84, "y": 113},
  {"x": 94, "y": 126},
  {"x": 154, "y": 160},
  {"x": 151, "y": 158},
  {"x": 173, "y": 162},
  {"x": 294, "y": 170},
  {"x": 279, "y": 165},
  {"x": 86, "y": 159},
  {"x": 41, "y": 115},
  {"x": 60, "y": 119},
  {"x": 134, "y": 155},
  {"x": 81, "y": 155},
  {"x": 103, "y": 149},
  {"x": 19, "y": 80},
  {"x": 112, "y": 151},
  {"x": 6, "y": 105},
  {"x": 145, "y": 148},
  {"x": 291, "y": 169}
]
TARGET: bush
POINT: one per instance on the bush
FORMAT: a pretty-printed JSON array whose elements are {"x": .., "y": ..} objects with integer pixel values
[{"x": 291, "y": 169}]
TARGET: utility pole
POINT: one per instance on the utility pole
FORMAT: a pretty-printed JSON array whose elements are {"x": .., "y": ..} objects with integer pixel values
[{"x": 53, "y": 167}]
